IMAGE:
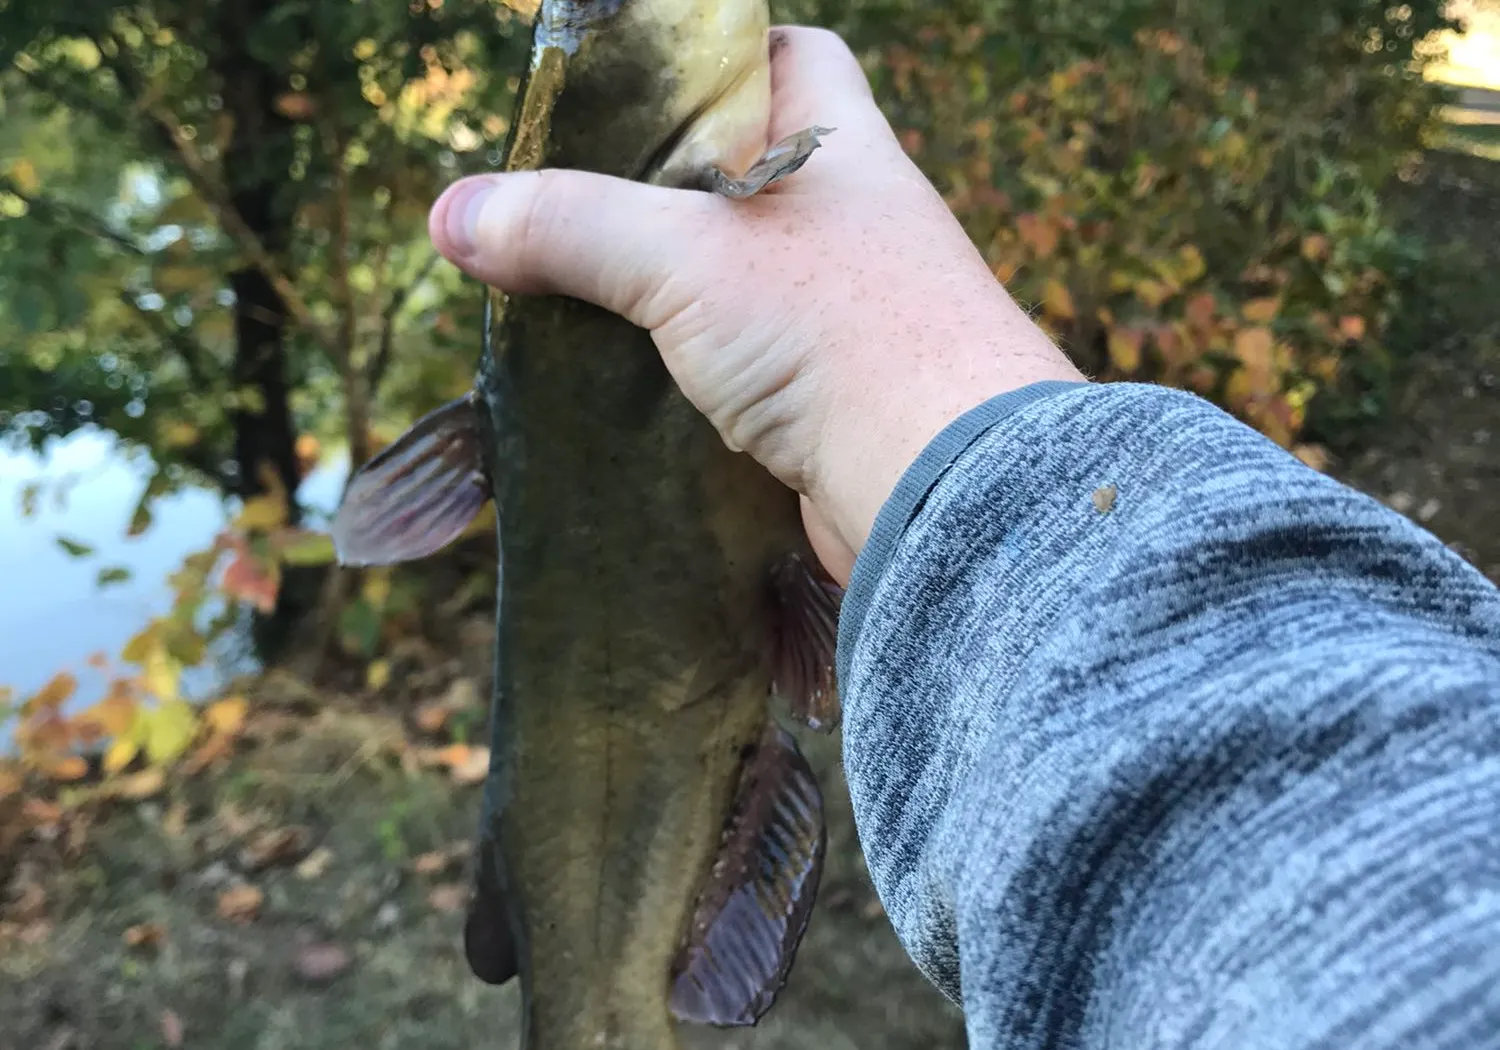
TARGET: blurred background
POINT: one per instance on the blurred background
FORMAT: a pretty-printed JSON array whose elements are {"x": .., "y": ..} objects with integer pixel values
[{"x": 237, "y": 786}]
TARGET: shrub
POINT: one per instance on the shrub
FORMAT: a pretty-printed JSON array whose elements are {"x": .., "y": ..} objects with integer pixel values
[{"x": 1184, "y": 195}]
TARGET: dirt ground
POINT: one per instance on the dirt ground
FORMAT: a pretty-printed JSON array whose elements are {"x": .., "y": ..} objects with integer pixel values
[
  {"x": 248, "y": 985},
  {"x": 356, "y": 939}
]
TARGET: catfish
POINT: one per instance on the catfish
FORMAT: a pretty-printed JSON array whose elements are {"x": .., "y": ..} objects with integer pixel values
[{"x": 651, "y": 839}]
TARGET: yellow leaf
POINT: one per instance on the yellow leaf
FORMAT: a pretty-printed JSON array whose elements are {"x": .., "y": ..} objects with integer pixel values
[
  {"x": 260, "y": 513},
  {"x": 140, "y": 644},
  {"x": 378, "y": 674},
  {"x": 1125, "y": 349},
  {"x": 1261, "y": 311},
  {"x": 170, "y": 728},
  {"x": 1315, "y": 247},
  {"x": 227, "y": 716},
  {"x": 23, "y": 174},
  {"x": 377, "y": 587},
  {"x": 1152, "y": 293},
  {"x": 1191, "y": 262},
  {"x": 161, "y": 674},
  {"x": 120, "y": 754},
  {"x": 140, "y": 785},
  {"x": 1057, "y": 300},
  {"x": 179, "y": 434},
  {"x": 10, "y": 783}
]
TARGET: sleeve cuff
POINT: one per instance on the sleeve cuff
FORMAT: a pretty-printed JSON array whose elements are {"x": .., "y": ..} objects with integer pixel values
[{"x": 910, "y": 493}]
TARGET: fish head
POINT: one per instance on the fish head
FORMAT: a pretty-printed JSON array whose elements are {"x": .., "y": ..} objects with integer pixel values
[{"x": 653, "y": 90}]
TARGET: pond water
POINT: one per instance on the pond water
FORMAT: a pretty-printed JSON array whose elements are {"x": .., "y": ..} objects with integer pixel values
[{"x": 53, "y": 613}]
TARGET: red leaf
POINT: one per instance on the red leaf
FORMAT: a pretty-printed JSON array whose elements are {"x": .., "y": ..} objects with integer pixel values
[{"x": 252, "y": 580}]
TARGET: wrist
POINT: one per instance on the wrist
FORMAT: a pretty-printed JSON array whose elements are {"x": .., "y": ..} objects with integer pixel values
[{"x": 884, "y": 421}]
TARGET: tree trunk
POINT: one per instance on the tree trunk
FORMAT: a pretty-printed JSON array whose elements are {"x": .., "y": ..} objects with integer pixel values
[{"x": 256, "y": 162}]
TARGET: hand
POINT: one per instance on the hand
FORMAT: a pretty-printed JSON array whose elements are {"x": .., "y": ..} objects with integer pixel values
[{"x": 830, "y": 327}]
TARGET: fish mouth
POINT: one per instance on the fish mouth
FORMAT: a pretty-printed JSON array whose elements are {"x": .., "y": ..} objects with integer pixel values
[{"x": 683, "y": 160}]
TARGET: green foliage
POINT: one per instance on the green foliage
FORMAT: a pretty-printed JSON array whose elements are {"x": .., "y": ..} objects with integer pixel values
[
  {"x": 1187, "y": 193},
  {"x": 151, "y": 152}
]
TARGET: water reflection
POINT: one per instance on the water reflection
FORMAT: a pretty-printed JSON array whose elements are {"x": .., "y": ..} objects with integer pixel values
[{"x": 53, "y": 614}]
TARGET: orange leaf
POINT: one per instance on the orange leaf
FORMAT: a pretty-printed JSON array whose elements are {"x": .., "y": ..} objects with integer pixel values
[
  {"x": 227, "y": 716},
  {"x": 116, "y": 712},
  {"x": 1040, "y": 235},
  {"x": 69, "y": 767},
  {"x": 58, "y": 689},
  {"x": 1261, "y": 311},
  {"x": 1352, "y": 327},
  {"x": 145, "y": 935},
  {"x": 1253, "y": 347},
  {"x": 240, "y": 903},
  {"x": 252, "y": 580},
  {"x": 1200, "y": 311},
  {"x": 1315, "y": 456},
  {"x": 99, "y": 660},
  {"x": 466, "y": 763},
  {"x": 1315, "y": 247},
  {"x": 10, "y": 782},
  {"x": 1057, "y": 300}
]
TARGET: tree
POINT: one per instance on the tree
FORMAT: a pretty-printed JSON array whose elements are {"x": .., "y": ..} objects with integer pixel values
[{"x": 240, "y": 251}]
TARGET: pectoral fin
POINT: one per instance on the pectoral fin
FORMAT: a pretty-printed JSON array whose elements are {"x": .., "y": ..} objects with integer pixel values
[
  {"x": 754, "y": 907},
  {"x": 777, "y": 163},
  {"x": 419, "y": 494},
  {"x": 807, "y": 633}
]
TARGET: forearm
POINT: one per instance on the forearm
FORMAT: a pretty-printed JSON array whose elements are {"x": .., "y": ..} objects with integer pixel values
[{"x": 1156, "y": 737}]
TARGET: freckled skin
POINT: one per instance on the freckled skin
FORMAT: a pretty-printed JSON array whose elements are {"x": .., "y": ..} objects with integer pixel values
[{"x": 631, "y": 668}]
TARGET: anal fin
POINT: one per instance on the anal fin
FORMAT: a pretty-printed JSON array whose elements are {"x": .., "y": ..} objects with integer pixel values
[
  {"x": 755, "y": 904},
  {"x": 418, "y": 495},
  {"x": 804, "y": 672},
  {"x": 781, "y": 160}
]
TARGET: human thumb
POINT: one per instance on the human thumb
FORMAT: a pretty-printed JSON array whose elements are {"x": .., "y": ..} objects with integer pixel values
[{"x": 609, "y": 241}]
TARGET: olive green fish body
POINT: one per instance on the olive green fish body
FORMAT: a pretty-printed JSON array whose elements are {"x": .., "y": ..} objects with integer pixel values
[{"x": 632, "y": 671}]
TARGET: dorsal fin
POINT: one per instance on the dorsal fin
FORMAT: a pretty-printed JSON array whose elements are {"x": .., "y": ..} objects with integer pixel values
[
  {"x": 418, "y": 495},
  {"x": 759, "y": 893}
]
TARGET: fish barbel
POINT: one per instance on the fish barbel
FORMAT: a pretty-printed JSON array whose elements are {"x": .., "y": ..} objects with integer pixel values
[{"x": 651, "y": 839}]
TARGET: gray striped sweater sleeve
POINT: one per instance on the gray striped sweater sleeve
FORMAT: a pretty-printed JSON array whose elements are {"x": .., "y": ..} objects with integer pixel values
[{"x": 1213, "y": 764}]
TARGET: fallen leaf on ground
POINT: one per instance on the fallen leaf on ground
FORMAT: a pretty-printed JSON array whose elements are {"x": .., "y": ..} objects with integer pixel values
[
  {"x": 28, "y": 902},
  {"x": 315, "y": 863},
  {"x": 171, "y": 1029},
  {"x": 214, "y": 748},
  {"x": 240, "y": 903},
  {"x": 439, "y": 860},
  {"x": 432, "y": 717},
  {"x": 275, "y": 848},
  {"x": 450, "y": 896},
  {"x": 322, "y": 962},
  {"x": 146, "y": 935},
  {"x": 467, "y": 763},
  {"x": 175, "y": 822}
]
